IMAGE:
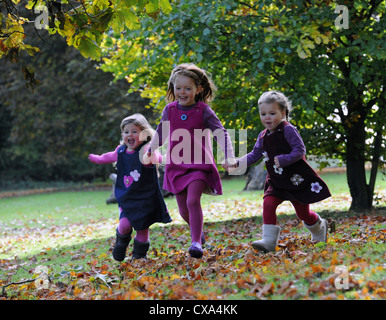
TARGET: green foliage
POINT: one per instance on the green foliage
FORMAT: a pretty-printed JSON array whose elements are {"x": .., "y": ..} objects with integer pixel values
[
  {"x": 333, "y": 76},
  {"x": 75, "y": 111},
  {"x": 81, "y": 23}
]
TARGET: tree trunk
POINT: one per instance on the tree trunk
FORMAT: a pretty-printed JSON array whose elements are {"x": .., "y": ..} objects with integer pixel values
[
  {"x": 375, "y": 161},
  {"x": 355, "y": 162},
  {"x": 256, "y": 177}
]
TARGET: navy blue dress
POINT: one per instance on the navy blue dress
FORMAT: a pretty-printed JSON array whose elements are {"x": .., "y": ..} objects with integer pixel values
[{"x": 137, "y": 191}]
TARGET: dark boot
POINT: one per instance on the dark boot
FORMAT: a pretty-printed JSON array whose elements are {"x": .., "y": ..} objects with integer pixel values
[
  {"x": 140, "y": 249},
  {"x": 121, "y": 243},
  {"x": 195, "y": 250}
]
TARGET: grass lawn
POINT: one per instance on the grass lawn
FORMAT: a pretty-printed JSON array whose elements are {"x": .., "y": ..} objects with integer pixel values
[{"x": 70, "y": 235}]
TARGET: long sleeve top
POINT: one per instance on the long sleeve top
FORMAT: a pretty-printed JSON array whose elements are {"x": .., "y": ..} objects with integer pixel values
[
  {"x": 211, "y": 121},
  {"x": 112, "y": 156},
  {"x": 294, "y": 140}
]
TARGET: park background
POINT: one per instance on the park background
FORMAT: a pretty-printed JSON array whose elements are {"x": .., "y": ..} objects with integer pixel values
[{"x": 63, "y": 93}]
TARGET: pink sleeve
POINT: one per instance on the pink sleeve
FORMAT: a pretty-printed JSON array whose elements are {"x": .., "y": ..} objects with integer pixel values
[
  {"x": 108, "y": 157},
  {"x": 156, "y": 158}
]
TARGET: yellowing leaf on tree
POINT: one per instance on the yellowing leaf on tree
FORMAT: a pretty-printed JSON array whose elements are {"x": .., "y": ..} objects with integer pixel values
[
  {"x": 132, "y": 21},
  {"x": 68, "y": 29},
  {"x": 101, "y": 4},
  {"x": 88, "y": 48},
  {"x": 301, "y": 54},
  {"x": 152, "y": 6},
  {"x": 165, "y": 6},
  {"x": 16, "y": 37}
]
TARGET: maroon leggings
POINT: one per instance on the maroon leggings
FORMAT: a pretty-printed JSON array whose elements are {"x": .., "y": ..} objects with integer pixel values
[{"x": 270, "y": 204}]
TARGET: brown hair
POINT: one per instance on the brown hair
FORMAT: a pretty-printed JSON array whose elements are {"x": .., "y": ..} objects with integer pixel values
[
  {"x": 279, "y": 98},
  {"x": 200, "y": 78}
]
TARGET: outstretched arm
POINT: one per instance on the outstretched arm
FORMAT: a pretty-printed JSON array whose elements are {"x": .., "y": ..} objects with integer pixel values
[
  {"x": 254, "y": 156},
  {"x": 108, "y": 157}
]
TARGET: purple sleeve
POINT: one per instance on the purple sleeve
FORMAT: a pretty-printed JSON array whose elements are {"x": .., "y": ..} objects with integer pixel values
[
  {"x": 219, "y": 132},
  {"x": 255, "y": 155},
  {"x": 296, "y": 143}
]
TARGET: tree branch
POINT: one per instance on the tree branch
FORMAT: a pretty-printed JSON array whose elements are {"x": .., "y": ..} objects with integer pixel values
[
  {"x": 373, "y": 5},
  {"x": 330, "y": 122},
  {"x": 3, "y": 293},
  {"x": 246, "y": 4}
]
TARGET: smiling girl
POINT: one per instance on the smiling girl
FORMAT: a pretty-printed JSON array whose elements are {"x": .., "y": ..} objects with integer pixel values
[
  {"x": 137, "y": 190},
  {"x": 190, "y": 168},
  {"x": 289, "y": 175}
]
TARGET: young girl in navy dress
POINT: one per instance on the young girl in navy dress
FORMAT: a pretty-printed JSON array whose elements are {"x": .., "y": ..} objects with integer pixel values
[
  {"x": 289, "y": 175},
  {"x": 137, "y": 190},
  {"x": 190, "y": 168}
]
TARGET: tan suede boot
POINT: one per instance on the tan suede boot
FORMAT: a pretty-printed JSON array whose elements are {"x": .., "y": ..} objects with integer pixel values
[
  {"x": 318, "y": 230},
  {"x": 271, "y": 234}
]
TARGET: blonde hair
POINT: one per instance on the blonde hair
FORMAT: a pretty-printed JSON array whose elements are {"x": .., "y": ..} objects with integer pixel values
[
  {"x": 140, "y": 121},
  {"x": 278, "y": 97},
  {"x": 200, "y": 78}
]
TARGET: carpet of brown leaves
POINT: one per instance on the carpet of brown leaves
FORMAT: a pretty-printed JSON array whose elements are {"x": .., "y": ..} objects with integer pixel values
[{"x": 229, "y": 269}]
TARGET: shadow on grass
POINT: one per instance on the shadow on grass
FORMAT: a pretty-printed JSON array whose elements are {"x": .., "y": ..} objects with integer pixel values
[
  {"x": 174, "y": 237},
  {"x": 227, "y": 250}
]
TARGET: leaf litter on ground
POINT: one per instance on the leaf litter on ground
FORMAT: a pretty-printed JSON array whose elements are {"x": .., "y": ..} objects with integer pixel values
[{"x": 229, "y": 269}]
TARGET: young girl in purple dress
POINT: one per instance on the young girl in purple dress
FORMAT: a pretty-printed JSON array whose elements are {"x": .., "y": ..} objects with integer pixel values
[
  {"x": 136, "y": 189},
  {"x": 187, "y": 121},
  {"x": 289, "y": 175}
]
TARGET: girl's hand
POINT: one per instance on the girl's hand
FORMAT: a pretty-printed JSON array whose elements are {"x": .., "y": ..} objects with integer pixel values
[
  {"x": 231, "y": 162},
  {"x": 150, "y": 158},
  {"x": 230, "y": 165},
  {"x": 146, "y": 156},
  {"x": 146, "y": 159}
]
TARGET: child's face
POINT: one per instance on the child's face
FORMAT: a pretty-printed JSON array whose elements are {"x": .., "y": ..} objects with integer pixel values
[
  {"x": 271, "y": 115},
  {"x": 185, "y": 90},
  {"x": 130, "y": 136}
]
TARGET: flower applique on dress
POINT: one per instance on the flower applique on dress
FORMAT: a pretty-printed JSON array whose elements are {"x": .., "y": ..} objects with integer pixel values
[
  {"x": 277, "y": 170},
  {"x": 266, "y": 158},
  {"x": 316, "y": 187},
  {"x": 135, "y": 174},
  {"x": 296, "y": 179},
  {"x": 128, "y": 180}
]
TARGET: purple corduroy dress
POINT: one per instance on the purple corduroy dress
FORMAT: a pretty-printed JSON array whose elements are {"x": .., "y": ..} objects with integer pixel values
[{"x": 190, "y": 153}]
